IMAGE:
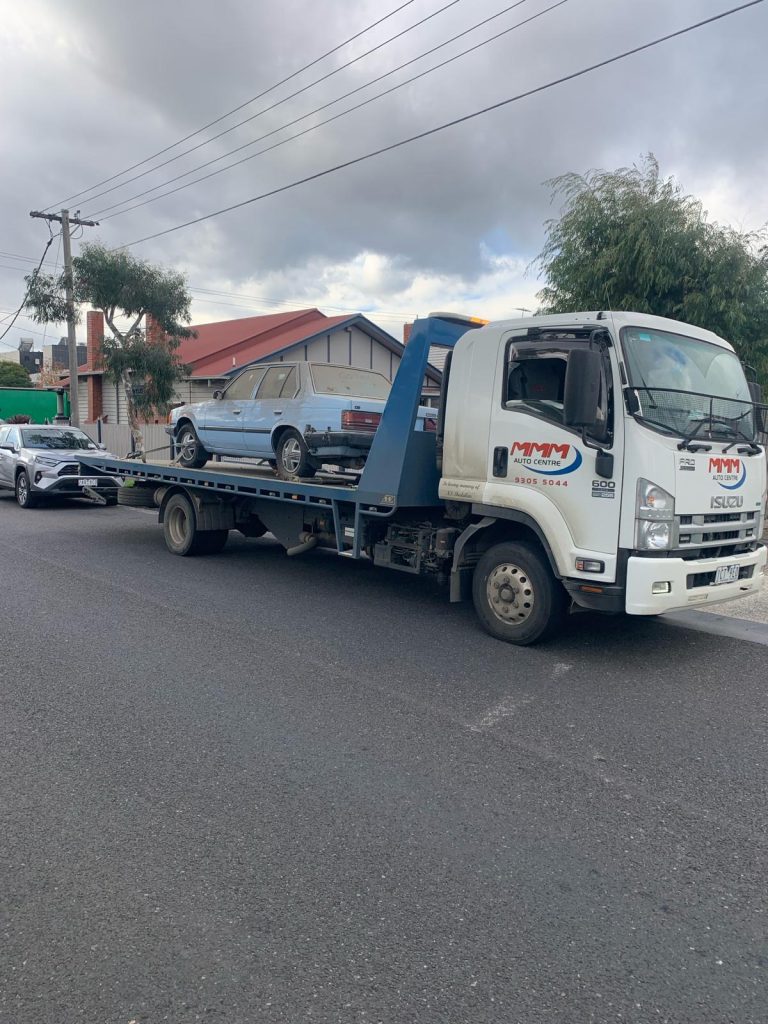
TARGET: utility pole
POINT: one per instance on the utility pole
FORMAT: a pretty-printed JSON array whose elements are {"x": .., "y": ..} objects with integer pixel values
[{"x": 66, "y": 221}]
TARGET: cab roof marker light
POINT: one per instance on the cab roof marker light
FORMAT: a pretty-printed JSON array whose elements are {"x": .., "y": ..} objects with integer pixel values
[{"x": 460, "y": 318}]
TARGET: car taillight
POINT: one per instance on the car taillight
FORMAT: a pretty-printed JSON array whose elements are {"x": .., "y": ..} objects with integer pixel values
[
  {"x": 430, "y": 424},
  {"x": 354, "y": 419}
]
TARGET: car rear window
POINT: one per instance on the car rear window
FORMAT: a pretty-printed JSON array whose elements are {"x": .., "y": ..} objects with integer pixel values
[{"x": 349, "y": 382}]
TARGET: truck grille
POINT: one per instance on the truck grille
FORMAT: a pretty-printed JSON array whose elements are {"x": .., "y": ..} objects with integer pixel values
[{"x": 716, "y": 535}]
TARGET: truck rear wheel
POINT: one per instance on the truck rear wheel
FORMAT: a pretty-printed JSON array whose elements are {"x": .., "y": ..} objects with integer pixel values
[
  {"x": 516, "y": 597},
  {"x": 182, "y": 536}
]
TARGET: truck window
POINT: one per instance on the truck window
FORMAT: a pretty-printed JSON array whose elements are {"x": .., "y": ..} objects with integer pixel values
[
  {"x": 535, "y": 383},
  {"x": 539, "y": 384}
]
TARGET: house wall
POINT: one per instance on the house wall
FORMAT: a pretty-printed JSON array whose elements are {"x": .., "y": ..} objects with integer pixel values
[{"x": 351, "y": 347}]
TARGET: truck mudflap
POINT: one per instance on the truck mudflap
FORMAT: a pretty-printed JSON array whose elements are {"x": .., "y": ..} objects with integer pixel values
[{"x": 656, "y": 585}]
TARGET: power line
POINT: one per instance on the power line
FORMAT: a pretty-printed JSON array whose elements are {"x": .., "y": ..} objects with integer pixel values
[
  {"x": 278, "y": 103},
  {"x": 234, "y": 110},
  {"x": 447, "y": 124},
  {"x": 26, "y": 293},
  {"x": 343, "y": 113}
]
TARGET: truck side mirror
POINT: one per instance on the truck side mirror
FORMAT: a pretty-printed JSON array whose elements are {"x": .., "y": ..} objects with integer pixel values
[
  {"x": 582, "y": 388},
  {"x": 755, "y": 392},
  {"x": 217, "y": 394},
  {"x": 761, "y": 411}
]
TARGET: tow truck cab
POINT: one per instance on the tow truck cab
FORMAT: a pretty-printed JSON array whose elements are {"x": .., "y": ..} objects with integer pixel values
[{"x": 624, "y": 445}]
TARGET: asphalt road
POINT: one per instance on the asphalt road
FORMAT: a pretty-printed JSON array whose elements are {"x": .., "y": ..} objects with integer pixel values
[{"x": 256, "y": 789}]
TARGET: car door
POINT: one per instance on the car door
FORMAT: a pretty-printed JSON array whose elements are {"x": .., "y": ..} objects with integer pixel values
[
  {"x": 272, "y": 404},
  {"x": 6, "y": 459},
  {"x": 224, "y": 418}
]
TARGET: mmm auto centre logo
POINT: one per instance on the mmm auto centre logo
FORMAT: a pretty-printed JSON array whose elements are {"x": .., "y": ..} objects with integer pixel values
[
  {"x": 728, "y": 473},
  {"x": 547, "y": 458}
]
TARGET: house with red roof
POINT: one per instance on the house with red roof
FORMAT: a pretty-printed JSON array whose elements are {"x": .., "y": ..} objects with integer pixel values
[{"x": 221, "y": 350}]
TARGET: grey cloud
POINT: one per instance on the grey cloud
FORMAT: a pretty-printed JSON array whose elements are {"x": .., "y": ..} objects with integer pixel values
[{"x": 134, "y": 77}]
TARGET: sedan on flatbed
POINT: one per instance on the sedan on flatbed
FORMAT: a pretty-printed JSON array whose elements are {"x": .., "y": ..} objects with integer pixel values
[
  {"x": 39, "y": 461},
  {"x": 296, "y": 416}
]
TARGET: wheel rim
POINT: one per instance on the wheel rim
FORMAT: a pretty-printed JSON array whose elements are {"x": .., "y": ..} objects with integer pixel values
[
  {"x": 187, "y": 445},
  {"x": 23, "y": 489},
  {"x": 178, "y": 525},
  {"x": 510, "y": 594},
  {"x": 291, "y": 454}
]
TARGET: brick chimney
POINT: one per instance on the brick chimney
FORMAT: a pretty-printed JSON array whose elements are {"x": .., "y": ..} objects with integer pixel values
[
  {"x": 94, "y": 337},
  {"x": 407, "y": 328},
  {"x": 155, "y": 333}
]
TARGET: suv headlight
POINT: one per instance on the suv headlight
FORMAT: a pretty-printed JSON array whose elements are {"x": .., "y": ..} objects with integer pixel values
[
  {"x": 654, "y": 517},
  {"x": 46, "y": 460}
]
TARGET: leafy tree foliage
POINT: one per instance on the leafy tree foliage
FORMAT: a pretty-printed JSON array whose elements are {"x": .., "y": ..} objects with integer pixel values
[
  {"x": 13, "y": 375},
  {"x": 632, "y": 240},
  {"x": 124, "y": 287}
]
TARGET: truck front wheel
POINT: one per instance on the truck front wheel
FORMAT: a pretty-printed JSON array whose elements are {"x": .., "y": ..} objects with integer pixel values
[{"x": 516, "y": 597}]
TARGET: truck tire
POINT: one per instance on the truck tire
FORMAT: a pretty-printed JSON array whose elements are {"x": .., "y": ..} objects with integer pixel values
[
  {"x": 191, "y": 454},
  {"x": 25, "y": 496},
  {"x": 136, "y": 497},
  {"x": 516, "y": 596},
  {"x": 182, "y": 536},
  {"x": 293, "y": 456}
]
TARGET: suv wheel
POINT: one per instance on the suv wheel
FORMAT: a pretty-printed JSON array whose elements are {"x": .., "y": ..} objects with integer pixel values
[{"x": 24, "y": 493}]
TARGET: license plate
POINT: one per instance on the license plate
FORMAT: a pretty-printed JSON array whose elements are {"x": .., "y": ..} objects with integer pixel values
[
  {"x": 91, "y": 481},
  {"x": 726, "y": 574}
]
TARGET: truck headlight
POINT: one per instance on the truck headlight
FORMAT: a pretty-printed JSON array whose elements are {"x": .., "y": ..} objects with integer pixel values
[
  {"x": 654, "y": 517},
  {"x": 653, "y": 502},
  {"x": 651, "y": 535}
]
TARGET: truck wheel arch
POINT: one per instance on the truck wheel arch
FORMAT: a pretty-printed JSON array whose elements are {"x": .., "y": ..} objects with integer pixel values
[{"x": 509, "y": 524}]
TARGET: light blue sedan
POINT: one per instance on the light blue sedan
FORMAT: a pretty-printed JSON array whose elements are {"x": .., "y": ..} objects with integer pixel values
[{"x": 296, "y": 416}]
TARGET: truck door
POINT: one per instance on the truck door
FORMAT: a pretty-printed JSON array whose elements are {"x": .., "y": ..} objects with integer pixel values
[{"x": 538, "y": 465}]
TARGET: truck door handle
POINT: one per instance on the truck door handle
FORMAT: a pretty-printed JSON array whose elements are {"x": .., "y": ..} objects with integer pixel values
[
  {"x": 278, "y": 412},
  {"x": 236, "y": 412},
  {"x": 500, "y": 459}
]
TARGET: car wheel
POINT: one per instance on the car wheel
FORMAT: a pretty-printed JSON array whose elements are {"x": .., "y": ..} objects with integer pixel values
[
  {"x": 293, "y": 456},
  {"x": 516, "y": 596},
  {"x": 25, "y": 496},
  {"x": 191, "y": 454}
]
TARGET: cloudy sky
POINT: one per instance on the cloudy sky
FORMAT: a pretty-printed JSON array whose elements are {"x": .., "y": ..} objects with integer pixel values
[{"x": 454, "y": 221}]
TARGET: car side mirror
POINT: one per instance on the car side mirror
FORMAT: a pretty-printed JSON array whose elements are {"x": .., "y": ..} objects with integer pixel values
[
  {"x": 217, "y": 395},
  {"x": 8, "y": 447},
  {"x": 582, "y": 388}
]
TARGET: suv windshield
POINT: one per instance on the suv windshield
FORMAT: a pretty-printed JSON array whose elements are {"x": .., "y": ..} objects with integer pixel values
[
  {"x": 42, "y": 437},
  {"x": 350, "y": 382},
  {"x": 687, "y": 385}
]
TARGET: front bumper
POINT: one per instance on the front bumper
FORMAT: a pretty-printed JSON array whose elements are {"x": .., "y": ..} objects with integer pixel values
[
  {"x": 690, "y": 583},
  {"x": 71, "y": 486}
]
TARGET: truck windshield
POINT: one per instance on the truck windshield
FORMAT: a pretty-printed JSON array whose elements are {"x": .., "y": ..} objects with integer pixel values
[
  {"x": 40, "y": 437},
  {"x": 349, "y": 382},
  {"x": 687, "y": 385}
]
